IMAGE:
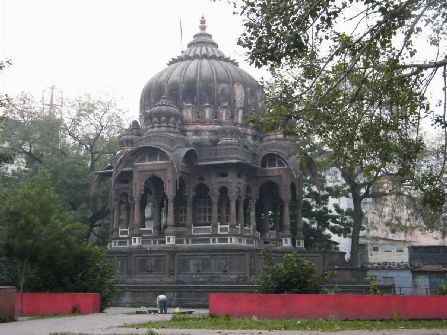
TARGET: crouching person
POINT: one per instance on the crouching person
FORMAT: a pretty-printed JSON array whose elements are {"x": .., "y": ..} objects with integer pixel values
[{"x": 162, "y": 304}]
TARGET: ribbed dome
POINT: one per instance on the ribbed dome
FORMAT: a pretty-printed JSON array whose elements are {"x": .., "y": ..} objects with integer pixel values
[{"x": 203, "y": 78}]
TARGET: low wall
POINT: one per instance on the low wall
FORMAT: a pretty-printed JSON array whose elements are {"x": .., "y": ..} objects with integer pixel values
[
  {"x": 7, "y": 303},
  {"x": 316, "y": 306},
  {"x": 58, "y": 303}
]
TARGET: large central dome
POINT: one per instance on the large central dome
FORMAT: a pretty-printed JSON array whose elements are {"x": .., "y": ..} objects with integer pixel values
[{"x": 204, "y": 84}]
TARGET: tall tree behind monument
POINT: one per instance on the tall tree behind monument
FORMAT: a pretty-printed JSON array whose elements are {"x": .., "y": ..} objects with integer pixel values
[{"x": 361, "y": 93}]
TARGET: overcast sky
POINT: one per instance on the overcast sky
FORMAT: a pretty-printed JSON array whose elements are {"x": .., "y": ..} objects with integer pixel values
[{"x": 104, "y": 46}]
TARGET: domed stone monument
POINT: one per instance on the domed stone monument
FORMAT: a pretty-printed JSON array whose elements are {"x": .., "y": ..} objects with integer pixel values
[{"x": 197, "y": 191}]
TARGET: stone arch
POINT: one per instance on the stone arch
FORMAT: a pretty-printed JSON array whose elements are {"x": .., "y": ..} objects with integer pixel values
[
  {"x": 272, "y": 160},
  {"x": 202, "y": 205},
  {"x": 153, "y": 205},
  {"x": 269, "y": 208}
]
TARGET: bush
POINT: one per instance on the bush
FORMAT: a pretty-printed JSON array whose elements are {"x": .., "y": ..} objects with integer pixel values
[
  {"x": 42, "y": 249},
  {"x": 442, "y": 289},
  {"x": 290, "y": 275}
]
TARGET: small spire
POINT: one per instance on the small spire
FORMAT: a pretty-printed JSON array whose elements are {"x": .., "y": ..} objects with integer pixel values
[{"x": 202, "y": 26}]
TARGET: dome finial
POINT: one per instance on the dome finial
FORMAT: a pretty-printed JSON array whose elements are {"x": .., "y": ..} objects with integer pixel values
[{"x": 202, "y": 26}]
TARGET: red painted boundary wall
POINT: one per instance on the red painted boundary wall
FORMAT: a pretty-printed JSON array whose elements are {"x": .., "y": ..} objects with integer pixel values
[
  {"x": 315, "y": 306},
  {"x": 58, "y": 303},
  {"x": 7, "y": 302}
]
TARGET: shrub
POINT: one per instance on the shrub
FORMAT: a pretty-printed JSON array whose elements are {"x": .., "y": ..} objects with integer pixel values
[{"x": 290, "y": 275}]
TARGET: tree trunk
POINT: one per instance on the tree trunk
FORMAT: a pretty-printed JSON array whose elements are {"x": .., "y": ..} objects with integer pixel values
[{"x": 357, "y": 224}]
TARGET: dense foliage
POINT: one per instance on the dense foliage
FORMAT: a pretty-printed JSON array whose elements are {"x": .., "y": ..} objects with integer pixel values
[
  {"x": 442, "y": 288},
  {"x": 291, "y": 274},
  {"x": 322, "y": 219},
  {"x": 350, "y": 76},
  {"x": 70, "y": 139},
  {"x": 43, "y": 250}
]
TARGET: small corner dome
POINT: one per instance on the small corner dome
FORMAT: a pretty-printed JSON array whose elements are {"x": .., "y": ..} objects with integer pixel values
[
  {"x": 203, "y": 75},
  {"x": 130, "y": 135},
  {"x": 163, "y": 114}
]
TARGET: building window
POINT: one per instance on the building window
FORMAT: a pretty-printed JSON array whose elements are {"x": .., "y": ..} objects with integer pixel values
[
  {"x": 375, "y": 248},
  {"x": 388, "y": 280},
  {"x": 271, "y": 161},
  {"x": 387, "y": 248}
]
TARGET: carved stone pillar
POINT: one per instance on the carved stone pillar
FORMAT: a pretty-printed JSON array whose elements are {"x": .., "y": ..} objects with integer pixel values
[
  {"x": 214, "y": 212},
  {"x": 137, "y": 216},
  {"x": 240, "y": 213},
  {"x": 170, "y": 215},
  {"x": 115, "y": 222},
  {"x": 286, "y": 219},
  {"x": 157, "y": 216},
  {"x": 189, "y": 210},
  {"x": 252, "y": 215},
  {"x": 131, "y": 213},
  {"x": 232, "y": 211}
]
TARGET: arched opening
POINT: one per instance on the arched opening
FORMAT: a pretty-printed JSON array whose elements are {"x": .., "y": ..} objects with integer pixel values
[
  {"x": 190, "y": 158},
  {"x": 271, "y": 161},
  {"x": 202, "y": 206},
  {"x": 180, "y": 205},
  {"x": 269, "y": 209},
  {"x": 154, "y": 205},
  {"x": 223, "y": 214},
  {"x": 123, "y": 211},
  {"x": 152, "y": 155}
]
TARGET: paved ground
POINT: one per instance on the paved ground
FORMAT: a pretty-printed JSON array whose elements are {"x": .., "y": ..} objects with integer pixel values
[{"x": 108, "y": 323}]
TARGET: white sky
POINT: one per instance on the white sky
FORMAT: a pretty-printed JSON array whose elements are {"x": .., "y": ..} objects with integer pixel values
[{"x": 104, "y": 46}]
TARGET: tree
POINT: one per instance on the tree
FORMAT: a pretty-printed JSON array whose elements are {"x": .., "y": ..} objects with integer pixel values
[
  {"x": 42, "y": 249},
  {"x": 290, "y": 275},
  {"x": 352, "y": 81},
  {"x": 67, "y": 138},
  {"x": 320, "y": 221},
  {"x": 93, "y": 125}
]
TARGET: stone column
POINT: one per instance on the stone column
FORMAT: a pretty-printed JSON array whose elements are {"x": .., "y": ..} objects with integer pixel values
[
  {"x": 252, "y": 215},
  {"x": 170, "y": 216},
  {"x": 131, "y": 213},
  {"x": 286, "y": 219},
  {"x": 137, "y": 216},
  {"x": 240, "y": 213},
  {"x": 189, "y": 211},
  {"x": 232, "y": 212},
  {"x": 214, "y": 212},
  {"x": 156, "y": 215},
  {"x": 115, "y": 223}
]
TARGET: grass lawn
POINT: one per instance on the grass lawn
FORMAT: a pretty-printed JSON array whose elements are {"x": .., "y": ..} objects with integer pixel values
[{"x": 213, "y": 322}]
